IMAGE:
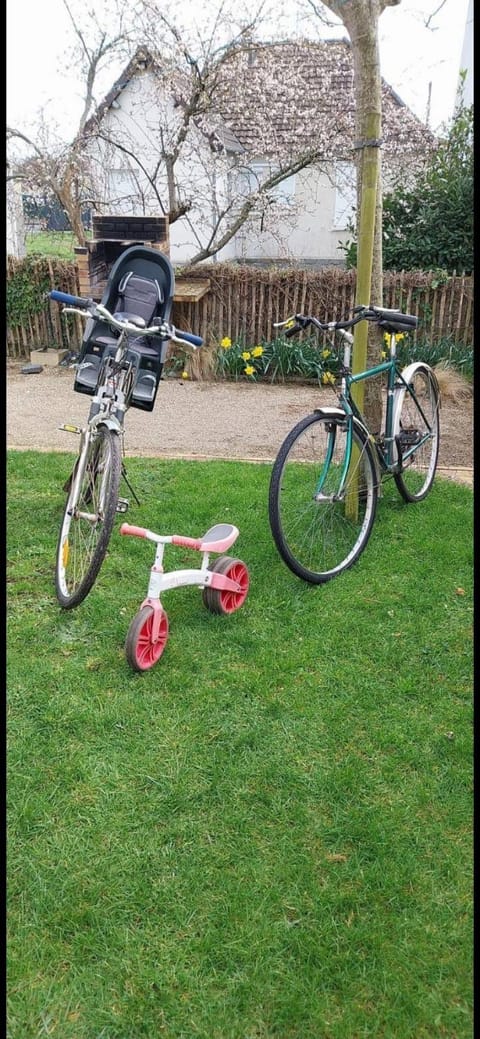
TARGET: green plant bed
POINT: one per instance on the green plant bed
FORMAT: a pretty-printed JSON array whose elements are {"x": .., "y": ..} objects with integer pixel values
[
  {"x": 458, "y": 356},
  {"x": 277, "y": 361},
  {"x": 284, "y": 360}
]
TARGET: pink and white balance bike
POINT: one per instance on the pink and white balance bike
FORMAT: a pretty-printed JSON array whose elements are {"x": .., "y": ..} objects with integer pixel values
[{"x": 224, "y": 582}]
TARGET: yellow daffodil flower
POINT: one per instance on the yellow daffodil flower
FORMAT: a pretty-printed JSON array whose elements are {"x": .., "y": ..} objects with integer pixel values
[
  {"x": 257, "y": 351},
  {"x": 249, "y": 369},
  {"x": 326, "y": 353},
  {"x": 184, "y": 375},
  {"x": 328, "y": 378},
  {"x": 226, "y": 343},
  {"x": 246, "y": 355}
]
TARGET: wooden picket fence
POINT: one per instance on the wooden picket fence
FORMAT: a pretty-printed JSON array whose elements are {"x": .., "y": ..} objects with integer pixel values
[
  {"x": 43, "y": 325},
  {"x": 244, "y": 303}
]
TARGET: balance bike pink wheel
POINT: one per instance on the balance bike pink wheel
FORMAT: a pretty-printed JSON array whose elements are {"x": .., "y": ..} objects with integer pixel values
[
  {"x": 140, "y": 651},
  {"x": 222, "y": 600}
]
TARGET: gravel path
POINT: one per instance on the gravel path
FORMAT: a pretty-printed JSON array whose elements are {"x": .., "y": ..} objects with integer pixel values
[{"x": 198, "y": 419}]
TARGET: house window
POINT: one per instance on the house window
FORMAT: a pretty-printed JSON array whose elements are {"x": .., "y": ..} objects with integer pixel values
[
  {"x": 121, "y": 185},
  {"x": 253, "y": 176},
  {"x": 345, "y": 194}
]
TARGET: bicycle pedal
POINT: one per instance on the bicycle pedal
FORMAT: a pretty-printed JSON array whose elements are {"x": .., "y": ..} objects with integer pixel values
[
  {"x": 70, "y": 429},
  {"x": 122, "y": 505}
]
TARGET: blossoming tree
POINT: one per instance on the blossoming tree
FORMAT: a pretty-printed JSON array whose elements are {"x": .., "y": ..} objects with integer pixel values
[{"x": 167, "y": 127}]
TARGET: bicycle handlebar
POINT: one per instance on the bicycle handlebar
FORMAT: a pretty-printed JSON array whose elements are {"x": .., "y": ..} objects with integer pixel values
[
  {"x": 382, "y": 316},
  {"x": 73, "y": 301},
  {"x": 88, "y": 308}
]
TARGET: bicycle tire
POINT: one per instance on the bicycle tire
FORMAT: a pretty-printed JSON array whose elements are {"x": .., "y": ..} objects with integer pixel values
[
  {"x": 415, "y": 418},
  {"x": 320, "y": 538},
  {"x": 88, "y": 518},
  {"x": 222, "y": 600},
  {"x": 140, "y": 651}
]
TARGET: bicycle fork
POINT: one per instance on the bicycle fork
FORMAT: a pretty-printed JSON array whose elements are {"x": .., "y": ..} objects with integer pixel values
[
  {"x": 347, "y": 467},
  {"x": 78, "y": 476},
  {"x": 78, "y": 473},
  {"x": 319, "y": 495},
  {"x": 348, "y": 458}
]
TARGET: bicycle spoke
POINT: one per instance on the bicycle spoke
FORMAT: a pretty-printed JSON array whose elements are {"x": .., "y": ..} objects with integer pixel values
[
  {"x": 321, "y": 510},
  {"x": 417, "y": 431},
  {"x": 88, "y": 519}
]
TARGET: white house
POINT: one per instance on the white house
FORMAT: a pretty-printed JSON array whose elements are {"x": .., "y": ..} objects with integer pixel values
[
  {"x": 465, "y": 79},
  {"x": 288, "y": 105}
]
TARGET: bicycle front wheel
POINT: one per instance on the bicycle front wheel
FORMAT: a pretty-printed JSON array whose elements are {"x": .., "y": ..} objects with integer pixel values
[
  {"x": 88, "y": 518},
  {"x": 319, "y": 524},
  {"x": 417, "y": 432}
]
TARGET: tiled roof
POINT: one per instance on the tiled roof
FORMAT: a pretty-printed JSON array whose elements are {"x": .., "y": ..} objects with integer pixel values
[
  {"x": 291, "y": 97},
  {"x": 297, "y": 94}
]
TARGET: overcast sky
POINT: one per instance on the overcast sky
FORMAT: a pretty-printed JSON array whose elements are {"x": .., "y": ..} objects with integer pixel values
[{"x": 412, "y": 57}]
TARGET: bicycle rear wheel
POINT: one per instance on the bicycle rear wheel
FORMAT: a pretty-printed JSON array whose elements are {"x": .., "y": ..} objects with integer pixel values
[
  {"x": 88, "y": 518},
  {"x": 417, "y": 431},
  {"x": 317, "y": 533},
  {"x": 225, "y": 601}
]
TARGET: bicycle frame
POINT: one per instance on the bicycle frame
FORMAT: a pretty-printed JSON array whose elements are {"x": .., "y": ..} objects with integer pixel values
[
  {"x": 385, "y": 447},
  {"x": 160, "y": 582},
  {"x": 111, "y": 402},
  {"x": 385, "y": 455}
]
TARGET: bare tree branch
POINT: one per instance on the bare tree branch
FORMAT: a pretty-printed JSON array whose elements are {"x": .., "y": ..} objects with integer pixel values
[
  {"x": 434, "y": 13},
  {"x": 62, "y": 170},
  {"x": 215, "y": 244}
]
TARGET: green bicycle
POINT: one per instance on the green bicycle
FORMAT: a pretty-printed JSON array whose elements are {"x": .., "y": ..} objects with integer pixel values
[{"x": 325, "y": 480}]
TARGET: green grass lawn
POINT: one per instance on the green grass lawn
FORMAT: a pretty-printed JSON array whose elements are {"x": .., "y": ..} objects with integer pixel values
[
  {"x": 51, "y": 243},
  {"x": 268, "y": 835}
]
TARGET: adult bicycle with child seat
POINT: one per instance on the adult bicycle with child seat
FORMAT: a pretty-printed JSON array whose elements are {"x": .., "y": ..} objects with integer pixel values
[
  {"x": 326, "y": 478},
  {"x": 118, "y": 373}
]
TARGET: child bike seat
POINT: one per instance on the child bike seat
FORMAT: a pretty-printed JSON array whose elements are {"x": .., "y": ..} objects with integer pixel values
[{"x": 138, "y": 299}]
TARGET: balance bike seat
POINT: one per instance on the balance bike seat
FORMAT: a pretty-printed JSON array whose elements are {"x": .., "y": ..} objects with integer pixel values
[{"x": 219, "y": 538}]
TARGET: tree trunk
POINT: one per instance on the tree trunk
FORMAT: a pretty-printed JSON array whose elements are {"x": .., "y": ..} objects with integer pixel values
[
  {"x": 67, "y": 194},
  {"x": 360, "y": 18}
]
